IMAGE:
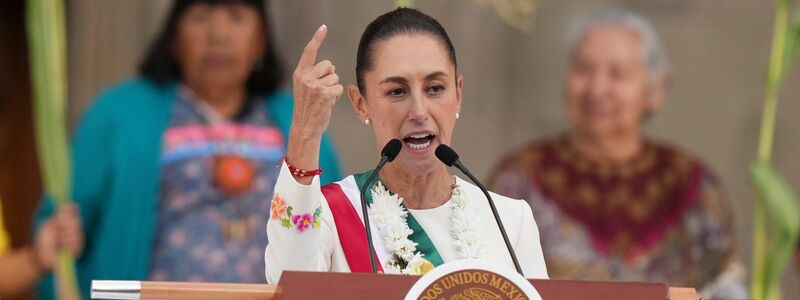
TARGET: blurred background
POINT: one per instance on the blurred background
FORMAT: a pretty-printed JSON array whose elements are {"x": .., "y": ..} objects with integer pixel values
[{"x": 513, "y": 87}]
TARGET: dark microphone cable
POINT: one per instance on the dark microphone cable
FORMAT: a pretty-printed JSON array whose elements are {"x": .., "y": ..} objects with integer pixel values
[
  {"x": 388, "y": 154},
  {"x": 450, "y": 158}
]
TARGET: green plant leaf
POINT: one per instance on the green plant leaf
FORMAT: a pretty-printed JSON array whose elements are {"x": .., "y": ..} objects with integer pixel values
[
  {"x": 780, "y": 203},
  {"x": 47, "y": 44},
  {"x": 404, "y": 3},
  {"x": 779, "y": 197},
  {"x": 792, "y": 49},
  {"x": 779, "y": 47}
]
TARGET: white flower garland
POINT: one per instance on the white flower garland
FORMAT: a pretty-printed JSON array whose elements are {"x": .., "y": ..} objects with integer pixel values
[
  {"x": 389, "y": 216},
  {"x": 465, "y": 227}
]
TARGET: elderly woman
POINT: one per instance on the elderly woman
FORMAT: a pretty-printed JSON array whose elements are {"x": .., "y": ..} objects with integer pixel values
[
  {"x": 613, "y": 204},
  {"x": 173, "y": 169},
  {"x": 407, "y": 89}
]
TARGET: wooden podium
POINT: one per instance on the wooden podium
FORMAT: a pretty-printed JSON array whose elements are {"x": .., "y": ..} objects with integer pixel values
[{"x": 326, "y": 285}]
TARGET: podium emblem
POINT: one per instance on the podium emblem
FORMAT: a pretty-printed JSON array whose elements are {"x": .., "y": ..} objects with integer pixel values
[{"x": 472, "y": 280}]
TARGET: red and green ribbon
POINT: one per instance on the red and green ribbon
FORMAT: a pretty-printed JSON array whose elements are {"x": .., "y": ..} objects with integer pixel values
[{"x": 419, "y": 236}]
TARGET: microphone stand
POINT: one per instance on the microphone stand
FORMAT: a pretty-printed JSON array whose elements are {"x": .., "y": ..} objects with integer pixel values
[
  {"x": 494, "y": 212},
  {"x": 367, "y": 226}
]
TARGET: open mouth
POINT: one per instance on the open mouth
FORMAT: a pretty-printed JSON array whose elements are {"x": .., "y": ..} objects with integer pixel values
[{"x": 419, "y": 141}]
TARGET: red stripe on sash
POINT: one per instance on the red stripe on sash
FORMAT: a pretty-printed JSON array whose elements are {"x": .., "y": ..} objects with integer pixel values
[{"x": 350, "y": 228}]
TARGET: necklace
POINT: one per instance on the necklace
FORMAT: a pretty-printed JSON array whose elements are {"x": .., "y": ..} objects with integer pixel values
[
  {"x": 232, "y": 173},
  {"x": 390, "y": 217}
]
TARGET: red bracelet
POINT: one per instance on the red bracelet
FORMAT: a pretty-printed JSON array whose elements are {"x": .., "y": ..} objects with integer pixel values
[{"x": 300, "y": 172}]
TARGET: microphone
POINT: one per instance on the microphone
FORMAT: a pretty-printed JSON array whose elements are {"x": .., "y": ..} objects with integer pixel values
[
  {"x": 449, "y": 157},
  {"x": 388, "y": 154}
]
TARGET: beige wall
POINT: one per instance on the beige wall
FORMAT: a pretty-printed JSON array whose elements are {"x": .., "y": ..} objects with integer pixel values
[{"x": 513, "y": 87}]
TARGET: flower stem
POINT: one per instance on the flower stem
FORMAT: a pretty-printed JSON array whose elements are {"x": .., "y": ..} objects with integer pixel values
[{"x": 759, "y": 287}]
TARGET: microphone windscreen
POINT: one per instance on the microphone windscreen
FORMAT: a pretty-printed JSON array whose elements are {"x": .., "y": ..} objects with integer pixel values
[
  {"x": 392, "y": 149},
  {"x": 446, "y": 154}
]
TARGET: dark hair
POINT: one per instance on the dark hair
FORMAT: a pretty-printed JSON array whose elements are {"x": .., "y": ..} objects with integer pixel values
[
  {"x": 399, "y": 21},
  {"x": 161, "y": 67}
]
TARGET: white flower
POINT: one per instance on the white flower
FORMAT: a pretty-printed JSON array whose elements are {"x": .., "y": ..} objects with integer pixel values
[
  {"x": 464, "y": 227},
  {"x": 392, "y": 267},
  {"x": 414, "y": 266},
  {"x": 390, "y": 217}
]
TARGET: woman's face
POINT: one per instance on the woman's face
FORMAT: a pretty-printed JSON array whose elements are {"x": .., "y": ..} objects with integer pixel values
[
  {"x": 412, "y": 94},
  {"x": 607, "y": 90},
  {"x": 217, "y": 45}
]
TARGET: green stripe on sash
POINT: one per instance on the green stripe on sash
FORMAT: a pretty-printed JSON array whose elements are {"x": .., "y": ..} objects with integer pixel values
[{"x": 424, "y": 243}]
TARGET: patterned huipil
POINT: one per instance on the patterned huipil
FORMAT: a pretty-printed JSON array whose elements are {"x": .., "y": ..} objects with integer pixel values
[
  {"x": 660, "y": 217},
  {"x": 217, "y": 180}
]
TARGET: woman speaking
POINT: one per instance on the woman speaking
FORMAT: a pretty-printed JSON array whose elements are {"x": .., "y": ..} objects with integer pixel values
[{"x": 420, "y": 215}]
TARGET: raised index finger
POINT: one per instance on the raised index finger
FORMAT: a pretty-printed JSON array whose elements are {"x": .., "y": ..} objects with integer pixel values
[{"x": 309, "y": 55}]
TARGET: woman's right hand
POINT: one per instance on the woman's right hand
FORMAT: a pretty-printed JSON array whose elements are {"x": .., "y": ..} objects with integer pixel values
[
  {"x": 62, "y": 231},
  {"x": 316, "y": 88}
]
